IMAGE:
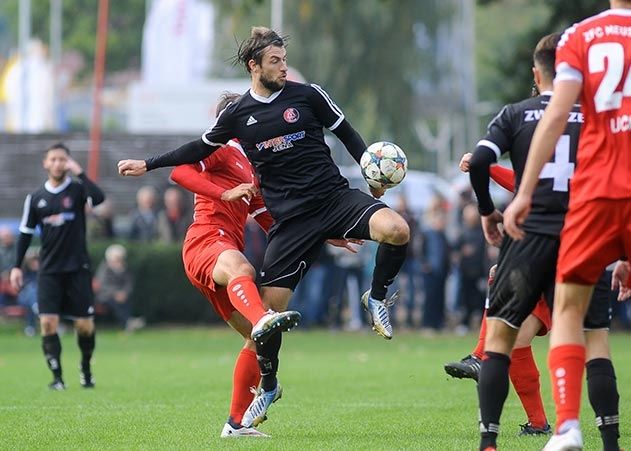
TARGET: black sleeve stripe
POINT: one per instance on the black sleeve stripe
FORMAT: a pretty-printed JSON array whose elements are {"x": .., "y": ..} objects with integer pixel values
[{"x": 330, "y": 102}]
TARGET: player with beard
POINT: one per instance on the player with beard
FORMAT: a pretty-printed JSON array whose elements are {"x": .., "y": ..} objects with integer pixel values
[
  {"x": 64, "y": 278},
  {"x": 280, "y": 124}
]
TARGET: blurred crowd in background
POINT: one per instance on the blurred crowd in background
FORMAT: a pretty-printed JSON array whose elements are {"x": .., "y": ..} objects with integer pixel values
[{"x": 442, "y": 284}]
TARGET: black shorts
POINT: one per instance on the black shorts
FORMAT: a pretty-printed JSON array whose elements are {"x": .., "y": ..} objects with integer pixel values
[
  {"x": 66, "y": 294},
  {"x": 293, "y": 245},
  {"x": 599, "y": 313},
  {"x": 525, "y": 271}
]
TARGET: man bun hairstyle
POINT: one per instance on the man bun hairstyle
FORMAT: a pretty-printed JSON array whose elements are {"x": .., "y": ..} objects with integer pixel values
[
  {"x": 225, "y": 99},
  {"x": 544, "y": 55},
  {"x": 253, "y": 47}
]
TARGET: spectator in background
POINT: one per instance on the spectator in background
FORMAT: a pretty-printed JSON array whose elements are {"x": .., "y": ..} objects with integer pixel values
[
  {"x": 114, "y": 283},
  {"x": 144, "y": 220},
  {"x": 7, "y": 259},
  {"x": 174, "y": 219},
  {"x": 410, "y": 269},
  {"x": 100, "y": 222},
  {"x": 27, "y": 297},
  {"x": 472, "y": 264},
  {"x": 435, "y": 267}
]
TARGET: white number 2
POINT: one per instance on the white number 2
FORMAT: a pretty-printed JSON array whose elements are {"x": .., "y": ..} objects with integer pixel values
[
  {"x": 562, "y": 170},
  {"x": 609, "y": 57}
]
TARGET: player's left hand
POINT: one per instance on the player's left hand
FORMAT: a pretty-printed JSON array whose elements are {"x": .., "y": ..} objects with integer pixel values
[
  {"x": 74, "y": 167},
  {"x": 620, "y": 280},
  {"x": 376, "y": 192},
  {"x": 346, "y": 244},
  {"x": 515, "y": 215},
  {"x": 491, "y": 227},
  {"x": 465, "y": 162},
  {"x": 134, "y": 168}
]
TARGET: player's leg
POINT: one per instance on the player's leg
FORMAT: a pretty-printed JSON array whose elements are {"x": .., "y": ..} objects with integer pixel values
[
  {"x": 49, "y": 297},
  {"x": 244, "y": 377},
  {"x": 602, "y": 388},
  {"x": 493, "y": 379},
  {"x": 81, "y": 307},
  {"x": 293, "y": 246},
  {"x": 524, "y": 376},
  {"x": 469, "y": 366},
  {"x": 590, "y": 240},
  {"x": 392, "y": 233},
  {"x": 525, "y": 271},
  {"x": 233, "y": 271}
]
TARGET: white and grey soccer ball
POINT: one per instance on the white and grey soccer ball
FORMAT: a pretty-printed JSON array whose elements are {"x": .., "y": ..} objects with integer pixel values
[{"x": 383, "y": 165}]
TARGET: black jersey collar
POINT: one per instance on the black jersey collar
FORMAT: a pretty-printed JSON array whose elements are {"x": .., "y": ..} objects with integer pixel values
[
  {"x": 262, "y": 99},
  {"x": 57, "y": 189}
]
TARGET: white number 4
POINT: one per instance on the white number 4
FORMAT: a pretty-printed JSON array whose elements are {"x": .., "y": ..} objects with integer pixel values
[
  {"x": 609, "y": 57},
  {"x": 562, "y": 169}
]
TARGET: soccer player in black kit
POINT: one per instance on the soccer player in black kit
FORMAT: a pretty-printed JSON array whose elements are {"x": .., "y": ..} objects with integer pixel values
[
  {"x": 526, "y": 268},
  {"x": 280, "y": 124},
  {"x": 64, "y": 279}
]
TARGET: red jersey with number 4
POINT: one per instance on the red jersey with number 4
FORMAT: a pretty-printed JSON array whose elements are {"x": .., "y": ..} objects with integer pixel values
[
  {"x": 227, "y": 168},
  {"x": 597, "y": 52}
]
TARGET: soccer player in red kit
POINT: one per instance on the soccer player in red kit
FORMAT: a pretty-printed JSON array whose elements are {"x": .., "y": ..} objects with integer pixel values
[
  {"x": 593, "y": 59},
  {"x": 225, "y": 193}
]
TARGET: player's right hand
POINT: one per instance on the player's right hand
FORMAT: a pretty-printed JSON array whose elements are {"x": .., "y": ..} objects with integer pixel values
[
  {"x": 620, "y": 280},
  {"x": 465, "y": 162},
  {"x": 134, "y": 168},
  {"x": 243, "y": 191},
  {"x": 515, "y": 215},
  {"x": 491, "y": 226},
  {"x": 16, "y": 279},
  {"x": 376, "y": 192}
]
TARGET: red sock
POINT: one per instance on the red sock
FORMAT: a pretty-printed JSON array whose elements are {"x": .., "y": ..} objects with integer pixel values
[
  {"x": 246, "y": 374},
  {"x": 244, "y": 296},
  {"x": 567, "y": 363},
  {"x": 524, "y": 375},
  {"x": 479, "y": 349}
]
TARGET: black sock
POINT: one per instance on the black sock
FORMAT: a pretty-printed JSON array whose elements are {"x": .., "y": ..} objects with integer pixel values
[
  {"x": 52, "y": 353},
  {"x": 86, "y": 345},
  {"x": 604, "y": 398},
  {"x": 492, "y": 392},
  {"x": 388, "y": 262},
  {"x": 267, "y": 356}
]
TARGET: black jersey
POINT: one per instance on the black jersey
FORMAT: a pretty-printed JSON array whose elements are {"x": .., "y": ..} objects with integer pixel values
[
  {"x": 283, "y": 137},
  {"x": 60, "y": 213},
  {"x": 511, "y": 131}
]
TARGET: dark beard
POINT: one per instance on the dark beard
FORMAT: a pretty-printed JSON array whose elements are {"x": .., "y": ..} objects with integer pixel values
[{"x": 272, "y": 85}]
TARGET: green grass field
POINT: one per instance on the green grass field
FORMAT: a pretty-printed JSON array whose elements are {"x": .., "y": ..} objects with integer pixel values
[{"x": 170, "y": 389}]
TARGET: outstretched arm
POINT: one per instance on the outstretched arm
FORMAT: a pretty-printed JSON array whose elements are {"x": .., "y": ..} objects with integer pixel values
[{"x": 189, "y": 153}]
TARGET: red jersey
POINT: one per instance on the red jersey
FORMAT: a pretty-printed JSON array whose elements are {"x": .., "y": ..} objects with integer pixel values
[
  {"x": 597, "y": 52},
  {"x": 224, "y": 169}
]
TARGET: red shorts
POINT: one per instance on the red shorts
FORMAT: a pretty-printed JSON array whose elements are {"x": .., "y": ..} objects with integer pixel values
[
  {"x": 596, "y": 233},
  {"x": 542, "y": 313},
  {"x": 200, "y": 253}
]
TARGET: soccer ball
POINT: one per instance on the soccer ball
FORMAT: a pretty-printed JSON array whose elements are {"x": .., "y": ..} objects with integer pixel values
[{"x": 383, "y": 165}]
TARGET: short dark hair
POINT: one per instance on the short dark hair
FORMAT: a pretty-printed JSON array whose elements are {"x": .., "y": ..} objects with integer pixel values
[
  {"x": 225, "y": 99},
  {"x": 253, "y": 47},
  {"x": 57, "y": 145},
  {"x": 544, "y": 55}
]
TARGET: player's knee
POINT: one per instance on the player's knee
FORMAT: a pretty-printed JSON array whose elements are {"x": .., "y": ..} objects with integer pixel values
[
  {"x": 84, "y": 327},
  {"x": 399, "y": 232},
  {"x": 243, "y": 269},
  {"x": 48, "y": 326}
]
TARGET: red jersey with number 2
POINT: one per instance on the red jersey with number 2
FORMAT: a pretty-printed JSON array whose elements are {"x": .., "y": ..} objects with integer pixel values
[{"x": 597, "y": 52}]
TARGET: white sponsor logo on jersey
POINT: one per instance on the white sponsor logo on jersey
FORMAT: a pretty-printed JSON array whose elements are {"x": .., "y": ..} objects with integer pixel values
[
  {"x": 251, "y": 121},
  {"x": 42, "y": 203}
]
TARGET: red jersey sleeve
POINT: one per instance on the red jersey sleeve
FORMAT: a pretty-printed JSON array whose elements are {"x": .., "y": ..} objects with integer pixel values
[
  {"x": 189, "y": 176},
  {"x": 504, "y": 177},
  {"x": 569, "y": 50},
  {"x": 259, "y": 212}
]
